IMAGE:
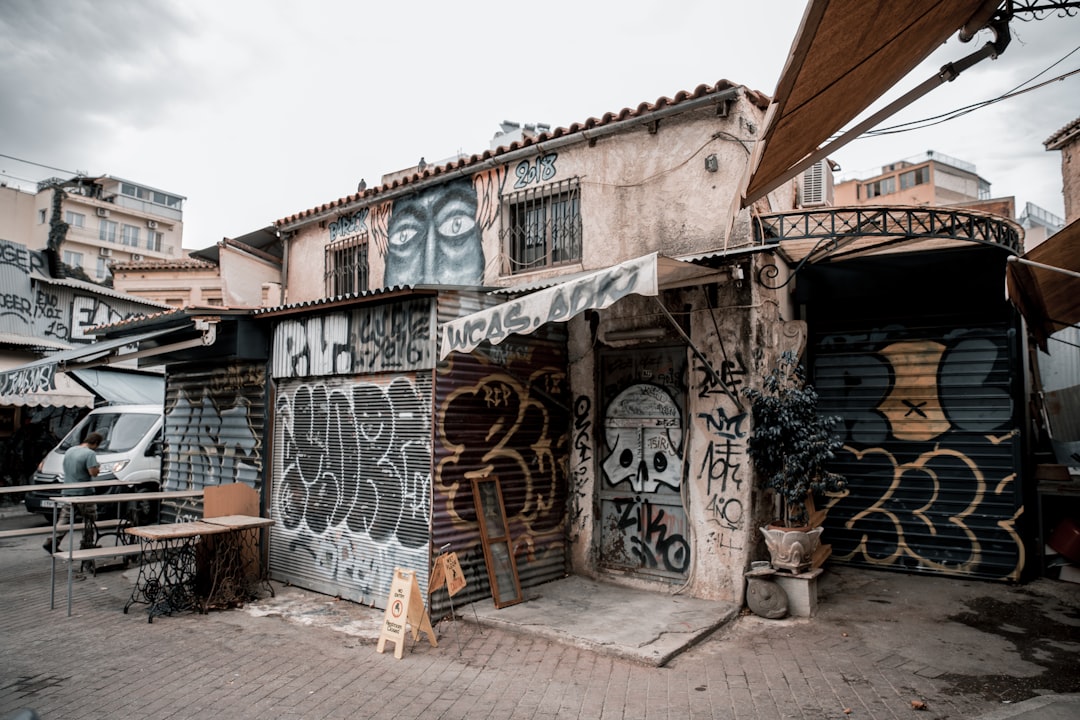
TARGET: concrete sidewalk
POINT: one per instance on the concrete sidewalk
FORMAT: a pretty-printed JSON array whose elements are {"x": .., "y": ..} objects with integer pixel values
[{"x": 882, "y": 645}]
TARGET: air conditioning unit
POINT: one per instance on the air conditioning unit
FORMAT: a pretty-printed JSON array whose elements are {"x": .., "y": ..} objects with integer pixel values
[
  {"x": 102, "y": 212},
  {"x": 151, "y": 224},
  {"x": 816, "y": 185},
  {"x": 136, "y": 257},
  {"x": 105, "y": 252}
]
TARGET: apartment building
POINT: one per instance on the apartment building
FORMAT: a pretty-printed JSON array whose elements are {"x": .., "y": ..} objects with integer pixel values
[
  {"x": 93, "y": 222},
  {"x": 932, "y": 179}
]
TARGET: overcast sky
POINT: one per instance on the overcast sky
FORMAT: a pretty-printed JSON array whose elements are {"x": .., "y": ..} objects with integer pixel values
[{"x": 256, "y": 110}]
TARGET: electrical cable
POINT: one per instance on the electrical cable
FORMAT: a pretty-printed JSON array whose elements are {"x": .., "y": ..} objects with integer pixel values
[{"x": 959, "y": 112}]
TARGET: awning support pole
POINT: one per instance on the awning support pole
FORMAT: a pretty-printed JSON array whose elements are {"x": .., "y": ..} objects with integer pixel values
[{"x": 1051, "y": 268}]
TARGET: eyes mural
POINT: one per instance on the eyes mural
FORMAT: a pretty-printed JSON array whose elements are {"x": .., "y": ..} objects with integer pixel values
[{"x": 434, "y": 238}]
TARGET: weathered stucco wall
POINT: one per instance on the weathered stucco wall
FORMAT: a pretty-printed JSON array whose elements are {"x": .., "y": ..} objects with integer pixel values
[
  {"x": 740, "y": 328},
  {"x": 666, "y": 186}
]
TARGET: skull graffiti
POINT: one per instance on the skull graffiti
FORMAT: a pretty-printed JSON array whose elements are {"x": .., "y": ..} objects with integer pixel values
[{"x": 643, "y": 430}]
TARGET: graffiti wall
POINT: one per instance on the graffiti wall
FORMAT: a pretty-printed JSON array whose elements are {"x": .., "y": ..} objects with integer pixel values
[
  {"x": 506, "y": 415},
  {"x": 352, "y": 483},
  {"x": 643, "y": 522},
  {"x": 214, "y": 424},
  {"x": 35, "y": 308},
  {"x": 375, "y": 338},
  {"x": 721, "y": 426},
  {"x": 931, "y": 449}
]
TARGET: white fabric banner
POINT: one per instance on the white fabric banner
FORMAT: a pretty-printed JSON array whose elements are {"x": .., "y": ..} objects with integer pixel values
[{"x": 595, "y": 291}]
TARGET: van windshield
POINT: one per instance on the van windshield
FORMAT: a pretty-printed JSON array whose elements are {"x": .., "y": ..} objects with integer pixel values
[{"x": 122, "y": 431}]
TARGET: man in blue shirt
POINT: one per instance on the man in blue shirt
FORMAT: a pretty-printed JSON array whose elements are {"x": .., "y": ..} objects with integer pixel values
[{"x": 80, "y": 465}]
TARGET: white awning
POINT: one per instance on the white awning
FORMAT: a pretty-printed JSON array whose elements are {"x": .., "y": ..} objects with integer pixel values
[
  {"x": 64, "y": 392},
  {"x": 594, "y": 291},
  {"x": 41, "y": 374}
]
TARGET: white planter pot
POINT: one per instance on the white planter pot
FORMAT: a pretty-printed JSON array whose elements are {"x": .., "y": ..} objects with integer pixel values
[{"x": 791, "y": 549}]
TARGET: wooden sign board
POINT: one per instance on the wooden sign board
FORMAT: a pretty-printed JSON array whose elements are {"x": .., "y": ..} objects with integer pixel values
[
  {"x": 404, "y": 607},
  {"x": 447, "y": 572}
]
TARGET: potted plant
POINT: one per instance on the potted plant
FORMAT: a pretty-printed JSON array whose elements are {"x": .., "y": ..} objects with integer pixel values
[{"x": 790, "y": 447}]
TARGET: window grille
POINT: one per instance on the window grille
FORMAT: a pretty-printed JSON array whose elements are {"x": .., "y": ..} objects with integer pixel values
[
  {"x": 542, "y": 226},
  {"x": 347, "y": 266}
]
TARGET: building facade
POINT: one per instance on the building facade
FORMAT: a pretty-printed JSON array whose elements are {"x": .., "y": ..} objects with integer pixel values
[
  {"x": 92, "y": 222},
  {"x": 935, "y": 179},
  {"x": 240, "y": 272}
]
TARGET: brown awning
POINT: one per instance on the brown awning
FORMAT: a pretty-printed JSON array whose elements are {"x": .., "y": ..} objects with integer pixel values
[
  {"x": 1044, "y": 283},
  {"x": 846, "y": 55}
]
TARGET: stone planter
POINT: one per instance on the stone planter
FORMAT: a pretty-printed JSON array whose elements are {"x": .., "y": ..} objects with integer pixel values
[{"x": 791, "y": 549}]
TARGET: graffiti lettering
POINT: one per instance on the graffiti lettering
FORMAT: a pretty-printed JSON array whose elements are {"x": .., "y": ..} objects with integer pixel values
[
  {"x": 718, "y": 465},
  {"x": 385, "y": 337},
  {"x": 29, "y": 380},
  {"x": 926, "y": 490},
  {"x": 20, "y": 258},
  {"x": 541, "y": 170},
  {"x": 731, "y": 378},
  {"x": 355, "y": 476},
  {"x": 651, "y": 540},
  {"x": 555, "y": 304},
  {"x": 726, "y": 512},
  {"x": 354, "y": 224},
  {"x": 722, "y": 425},
  {"x": 89, "y": 312}
]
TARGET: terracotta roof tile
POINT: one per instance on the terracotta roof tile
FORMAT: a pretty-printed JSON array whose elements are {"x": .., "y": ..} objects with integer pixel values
[{"x": 757, "y": 98}]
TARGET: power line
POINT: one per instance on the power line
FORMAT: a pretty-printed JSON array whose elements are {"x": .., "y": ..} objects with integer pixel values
[
  {"x": 959, "y": 112},
  {"x": 36, "y": 164}
]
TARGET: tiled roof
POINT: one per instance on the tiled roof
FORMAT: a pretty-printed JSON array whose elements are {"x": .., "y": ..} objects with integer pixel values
[
  {"x": 163, "y": 265},
  {"x": 641, "y": 111},
  {"x": 1055, "y": 141}
]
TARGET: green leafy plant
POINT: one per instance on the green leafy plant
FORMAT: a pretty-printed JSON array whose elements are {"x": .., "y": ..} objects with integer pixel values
[{"x": 791, "y": 445}]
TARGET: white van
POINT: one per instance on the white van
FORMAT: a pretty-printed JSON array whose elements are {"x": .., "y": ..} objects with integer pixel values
[{"x": 131, "y": 451}]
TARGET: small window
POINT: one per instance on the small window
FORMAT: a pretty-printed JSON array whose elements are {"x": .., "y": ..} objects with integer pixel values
[
  {"x": 41, "y": 216},
  {"x": 73, "y": 259},
  {"x": 884, "y": 186},
  {"x": 347, "y": 266},
  {"x": 107, "y": 231},
  {"x": 919, "y": 176},
  {"x": 129, "y": 235},
  {"x": 153, "y": 240},
  {"x": 542, "y": 226},
  {"x": 75, "y": 219},
  {"x": 102, "y": 268}
]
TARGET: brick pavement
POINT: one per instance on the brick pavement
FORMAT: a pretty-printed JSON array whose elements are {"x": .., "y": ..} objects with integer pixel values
[{"x": 101, "y": 663}]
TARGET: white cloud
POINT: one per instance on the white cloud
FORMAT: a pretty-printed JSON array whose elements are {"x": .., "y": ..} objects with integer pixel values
[{"x": 257, "y": 110}]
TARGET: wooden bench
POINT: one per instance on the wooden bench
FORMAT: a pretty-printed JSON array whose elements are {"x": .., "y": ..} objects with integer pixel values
[
  {"x": 47, "y": 529},
  {"x": 98, "y": 553}
]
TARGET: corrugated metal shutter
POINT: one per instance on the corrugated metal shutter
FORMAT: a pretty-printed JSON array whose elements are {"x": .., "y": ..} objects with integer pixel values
[
  {"x": 931, "y": 448},
  {"x": 503, "y": 411},
  {"x": 215, "y": 420},
  {"x": 351, "y": 483}
]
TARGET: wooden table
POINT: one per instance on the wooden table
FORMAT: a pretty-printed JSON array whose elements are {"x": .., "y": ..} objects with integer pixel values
[
  {"x": 91, "y": 554},
  {"x": 198, "y": 565}
]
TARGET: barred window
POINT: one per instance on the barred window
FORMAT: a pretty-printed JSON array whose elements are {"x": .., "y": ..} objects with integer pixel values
[
  {"x": 347, "y": 266},
  {"x": 542, "y": 226}
]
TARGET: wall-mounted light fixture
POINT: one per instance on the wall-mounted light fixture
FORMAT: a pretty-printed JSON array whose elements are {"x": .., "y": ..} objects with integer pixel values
[
  {"x": 648, "y": 333},
  {"x": 711, "y": 163}
]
